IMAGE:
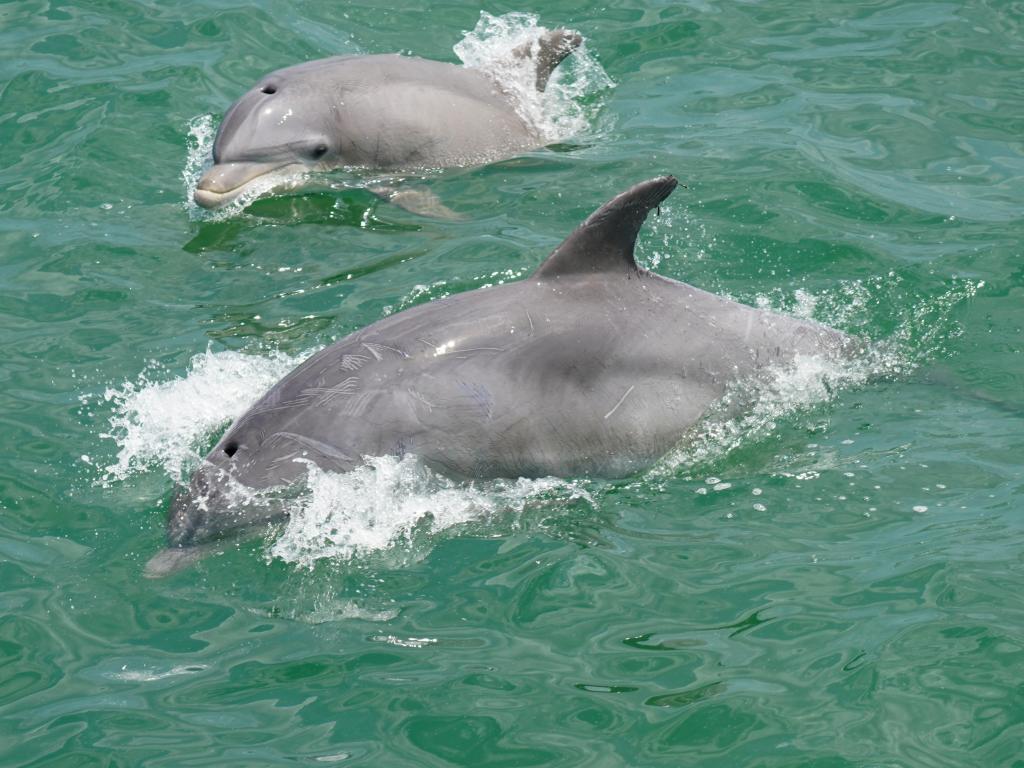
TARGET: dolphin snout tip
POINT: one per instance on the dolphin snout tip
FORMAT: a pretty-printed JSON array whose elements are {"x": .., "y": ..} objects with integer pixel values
[
  {"x": 188, "y": 519},
  {"x": 213, "y": 189},
  {"x": 208, "y": 199},
  {"x": 226, "y": 181}
]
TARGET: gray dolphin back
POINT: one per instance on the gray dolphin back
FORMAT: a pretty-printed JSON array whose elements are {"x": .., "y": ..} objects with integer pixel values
[{"x": 592, "y": 366}]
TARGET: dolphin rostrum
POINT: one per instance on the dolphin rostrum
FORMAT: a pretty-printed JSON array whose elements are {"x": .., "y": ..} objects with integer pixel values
[
  {"x": 383, "y": 112},
  {"x": 592, "y": 366}
]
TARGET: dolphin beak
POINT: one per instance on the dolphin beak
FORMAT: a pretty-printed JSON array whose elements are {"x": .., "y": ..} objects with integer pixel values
[
  {"x": 226, "y": 181},
  {"x": 189, "y": 523},
  {"x": 213, "y": 507}
]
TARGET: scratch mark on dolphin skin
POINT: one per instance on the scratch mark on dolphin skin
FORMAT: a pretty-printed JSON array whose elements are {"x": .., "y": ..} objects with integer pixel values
[
  {"x": 358, "y": 404},
  {"x": 353, "y": 362},
  {"x": 375, "y": 350},
  {"x": 531, "y": 321},
  {"x": 621, "y": 401},
  {"x": 323, "y": 449},
  {"x": 419, "y": 397},
  {"x": 481, "y": 397},
  {"x": 259, "y": 411},
  {"x": 348, "y": 387},
  {"x": 285, "y": 458}
]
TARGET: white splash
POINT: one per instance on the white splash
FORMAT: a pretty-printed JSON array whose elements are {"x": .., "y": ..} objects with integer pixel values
[
  {"x": 389, "y": 501},
  {"x": 760, "y": 404},
  {"x": 405, "y": 642},
  {"x": 751, "y": 409},
  {"x": 166, "y": 423},
  {"x": 200, "y": 154},
  {"x": 326, "y": 608},
  {"x": 567, "y": 106},
  {"x": 676, "y": 233}
]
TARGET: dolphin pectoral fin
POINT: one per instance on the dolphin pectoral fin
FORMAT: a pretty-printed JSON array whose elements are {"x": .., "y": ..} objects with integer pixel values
[
  {"x": 417, "y": 200},
  {"x": 551, "y": 48},
  {"x": 171, "y": 560},
  {"x": 605, "y": 241}
]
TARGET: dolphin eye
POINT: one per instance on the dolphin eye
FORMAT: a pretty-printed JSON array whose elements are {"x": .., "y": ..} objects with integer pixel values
[
  {"x": 319, "y": 151},
  {"x": 231, "y": 448},
  {"x": 269, "y": 89}
]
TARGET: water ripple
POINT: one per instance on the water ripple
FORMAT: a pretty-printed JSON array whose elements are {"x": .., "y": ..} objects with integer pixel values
[{"x": 843, "y": 590}]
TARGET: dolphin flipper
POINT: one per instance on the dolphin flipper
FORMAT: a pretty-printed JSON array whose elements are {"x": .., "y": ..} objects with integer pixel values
[
  {"x": 416, "y": 200},
  {"x": 551, "y": 48},
  {"x": 173, "y": 559}
]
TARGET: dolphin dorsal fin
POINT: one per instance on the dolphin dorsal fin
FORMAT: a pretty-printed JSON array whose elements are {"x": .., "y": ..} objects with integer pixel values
[
  {"x": 605, "y": 241},
  {"x": 547, "y": 52}
]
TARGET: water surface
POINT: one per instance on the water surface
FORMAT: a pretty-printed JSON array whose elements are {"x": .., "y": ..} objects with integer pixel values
[{"x": 835, "y": 582}]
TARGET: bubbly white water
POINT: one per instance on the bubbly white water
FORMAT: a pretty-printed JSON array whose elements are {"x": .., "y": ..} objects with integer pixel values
[
  {"x": 389, "y": 500},
  {"x": 558, "y": 113},
  {"x": 752, "y": 409},
  {"x": 563, "y": 111},
  {"x": 166, "y": 423}
]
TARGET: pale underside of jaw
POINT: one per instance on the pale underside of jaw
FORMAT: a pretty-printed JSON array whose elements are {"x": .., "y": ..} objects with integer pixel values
[
  {"x": 293, "y": 176},
  {"x": 285, "y": 177},
  {"x": 204, "y": 198}
]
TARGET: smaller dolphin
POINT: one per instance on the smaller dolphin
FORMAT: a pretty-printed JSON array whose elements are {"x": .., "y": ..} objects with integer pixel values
[
  {"x": 592, "y": 366},
  {"x": 385, "y": 112}
]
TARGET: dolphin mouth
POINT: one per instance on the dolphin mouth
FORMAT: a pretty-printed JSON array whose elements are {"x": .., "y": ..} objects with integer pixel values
[{"x": 225, "y": 182}]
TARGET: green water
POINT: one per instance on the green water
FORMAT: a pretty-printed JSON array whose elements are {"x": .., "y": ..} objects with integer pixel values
[{"x": 839, "y": 586}]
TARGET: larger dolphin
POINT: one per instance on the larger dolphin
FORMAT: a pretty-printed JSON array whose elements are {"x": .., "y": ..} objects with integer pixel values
[
  {"x": 590, "y": 366},
  {"x": 384, "y": 112}
]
